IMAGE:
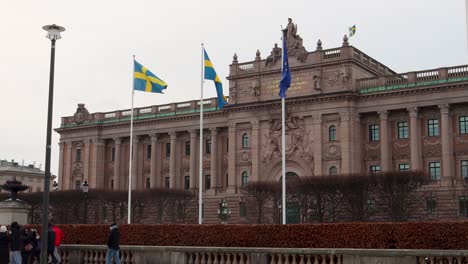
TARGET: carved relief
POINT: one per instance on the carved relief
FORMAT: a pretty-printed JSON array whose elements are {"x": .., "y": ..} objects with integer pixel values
[
  {"x": 431, "y": 147},
  {"x": 255, "y": 87},
  {"x": 338, "y": 78},
  {"x": 81, "y": 115},
  {"x": 77, "y": 169},
  {"x": 372, "y": 151}
]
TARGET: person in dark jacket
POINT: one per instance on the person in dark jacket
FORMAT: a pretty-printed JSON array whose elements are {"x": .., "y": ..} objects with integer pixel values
[
  {"x": 4, "y": 245},
  {"x": 36, "y": 242},
  {"x": 26, "y": 245},
  {"x": 15, "y": 243},
  {"x": 51, "y": 244},
  {"x": 113, "y": 245}
]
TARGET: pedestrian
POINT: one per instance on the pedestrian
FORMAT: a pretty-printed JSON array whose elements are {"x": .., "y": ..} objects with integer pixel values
[
  {"x": 51, "y": 244},
  {"x": 15, "y": 243},
  {"x": 4, "y": 245},
  {"x": 113, "y": 245},
  {"x": 59, "y": 236},
  {"x": 26, "y": 245},
  {"x": 36, "y": 243}
]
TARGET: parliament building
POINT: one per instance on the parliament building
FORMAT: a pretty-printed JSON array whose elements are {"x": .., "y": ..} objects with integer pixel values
[{"x": 345, "y": 113}]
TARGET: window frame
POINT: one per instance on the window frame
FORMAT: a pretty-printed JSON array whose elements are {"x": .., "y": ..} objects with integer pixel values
[
  {"x": 244, "y": 179},
  {"x": 78, "y": 155},
  {"x": 168, "y": 149},
  {"x": 186, "y": 182},
  {"x": 374, "y": 132},
  {"x": 433, "y": 129},
  {"x": 245, "y": 141},
  {"x": 187, "y": 148},
  {"x": 463, "y": 125},
  {"x": 335, "y": 172},
  {"x": 405, "y": 165},
  {"x": 463, "y": 206},
  {"x": 332, "y": 133},
  {"x": 403, "y": 131},
  {"x": 207, "y": 181},
  {"x": 464, "y": 169},
  {"x": 208, "y": 146},
  {"x": 434, "y": 166},
  {"x": 372, "y": 169},
  {"x": 148, "y": 152}
]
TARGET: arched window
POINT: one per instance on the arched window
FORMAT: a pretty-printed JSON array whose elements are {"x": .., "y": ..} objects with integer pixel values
[
  {"x": 245, "y": 179},
  {"x": 332, "y": 133},
  {"x": 333, "y": 170},
  {"x": 245, "y": 140}
]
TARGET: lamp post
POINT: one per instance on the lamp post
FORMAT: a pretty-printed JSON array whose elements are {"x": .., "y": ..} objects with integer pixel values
[
  {"x": 85, "y": 189},
  {"x": 53, "y": 33},
  {"x": 223, "y": 211}
]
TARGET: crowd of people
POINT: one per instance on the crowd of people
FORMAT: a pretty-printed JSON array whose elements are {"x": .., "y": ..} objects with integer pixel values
[{"x": 20, "y": 245}]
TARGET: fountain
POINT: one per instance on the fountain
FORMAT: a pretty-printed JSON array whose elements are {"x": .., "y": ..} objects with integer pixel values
[{"x": 14, "y": 209}]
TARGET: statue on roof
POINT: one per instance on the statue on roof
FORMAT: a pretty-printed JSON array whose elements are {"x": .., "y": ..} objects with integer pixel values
[
  {"x": 294, "y": 42},
  {"x": 81, "y": 114}
]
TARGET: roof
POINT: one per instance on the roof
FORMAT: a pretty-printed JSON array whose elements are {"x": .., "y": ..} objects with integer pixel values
[{"x": 13, "y": 166}]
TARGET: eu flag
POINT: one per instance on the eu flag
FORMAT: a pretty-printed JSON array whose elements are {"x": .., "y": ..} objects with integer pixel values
[
  {"x": 146, "y": 81},
  {"x": 285, "y": 82},
  {"x": 210, "y": 74}
]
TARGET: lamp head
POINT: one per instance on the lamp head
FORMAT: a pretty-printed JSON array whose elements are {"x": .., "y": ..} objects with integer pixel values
[{"x": 53, "y": 31}]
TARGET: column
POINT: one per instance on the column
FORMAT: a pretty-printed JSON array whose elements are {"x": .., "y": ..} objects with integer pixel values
[
  {"x": 447, "y": 153},
  {"x": 317, "y": 145},
  {"x": 193, "y": 158},
  {"x": 87, "y": 160},
  {"x": 214, "y": 156},
  {"x": 415, "y": 156},
  {"x": 68, "y": 165},
  {"x": 117, "y": 142},
  {"x": 100, "y": 157},
  {"x": 153, "y": 179},
  {"x": 61, "y": 174},
  {"x": 136, "y": 140},
  {"x": 385, "y": 150},
  {"x": 255, "y": 152},
  {"x": 232, "y": 158},
  {"x": 172, "y": 164},
  {"x": 345, "y": 142},
  {"x": 356, "y": 149}
]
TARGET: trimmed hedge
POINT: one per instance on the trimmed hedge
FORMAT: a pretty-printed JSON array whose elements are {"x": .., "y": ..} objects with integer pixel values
[{"x": 413, "y": 235}]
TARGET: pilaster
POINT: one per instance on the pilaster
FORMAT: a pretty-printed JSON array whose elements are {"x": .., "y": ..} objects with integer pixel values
[{"x": 385, "y": 151}]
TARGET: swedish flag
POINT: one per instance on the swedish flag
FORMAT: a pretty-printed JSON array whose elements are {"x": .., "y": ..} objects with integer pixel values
[
  {"x": 352, "y": 30},
  {"x": 146, "y": 81},
  {"x": 210, "y": 74}
]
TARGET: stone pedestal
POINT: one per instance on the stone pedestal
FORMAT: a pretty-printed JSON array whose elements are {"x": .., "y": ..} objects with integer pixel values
[{"x": 14, "y": 210}]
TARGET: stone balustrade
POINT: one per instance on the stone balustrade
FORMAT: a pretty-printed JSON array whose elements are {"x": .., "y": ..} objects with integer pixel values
[{"x": 95, "y": 254}]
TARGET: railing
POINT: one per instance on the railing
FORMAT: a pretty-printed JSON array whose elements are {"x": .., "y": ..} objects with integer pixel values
[
  {"x": 459, "y": 71},
  {"x": 246, "y": 67},
  {"x": 427, "y": 75},
  {"x": 396, "y": 79},
  {"x": 332, "y": 53}
]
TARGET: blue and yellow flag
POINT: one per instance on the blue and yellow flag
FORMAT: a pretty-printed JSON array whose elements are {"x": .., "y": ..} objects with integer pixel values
[
  {"x": 352, "y": 30},
  {"x": 210, "y": 74},
  {"x": 146, "y": 81}
]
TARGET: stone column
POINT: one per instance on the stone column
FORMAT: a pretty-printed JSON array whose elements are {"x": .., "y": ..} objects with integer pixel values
[
  {"x": 414, "y": 139},
  {"x": 232, "y": 158},
  {"x": 447, "y": 153},
  {"x": 61, "y": 175},
  {"x": 117, "y": 143},
  {"x": 214, "y": 158},
  {"x": 254, "y": 143},
  {"x": 385, "y": 150},
  {"x": 100, "y": 148},
  {"x": 136, "y": 140},
  {"x": 172, "y": 164},
  {"x": 193, "y": 158},
  {"x": 68, "y": 166},
  {"x": 356, "y": 149},
  {"x": 153, "y": 168},
  {"x": 86, "y": 161},
  {"x": 317, "y": 145},
  {"x": 345, "y": 142}
]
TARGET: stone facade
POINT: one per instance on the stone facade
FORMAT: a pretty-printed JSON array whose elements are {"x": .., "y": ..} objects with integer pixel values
[
  {"x": 29, "y": 175},
  {"x": 345, "y": 113}
]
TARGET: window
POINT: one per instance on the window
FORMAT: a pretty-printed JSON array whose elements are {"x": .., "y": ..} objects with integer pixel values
[
  {"x": 187, "y": 182},
  {"x": 207, "y": 182},
  {"x": 78, "y": 185},
  {"x": 148, "y": 183},
  {"x": 242, "y": 209},
  {"x": 78, "y": 155},
  {"x": 113, "y": 154},
  {"x": 403, "y": 167},
  {"x": 433, "y": 127},
  {"x": 168, "y": 150},
  {"x": 403, "y": 130},
  {"x": 374, "y": 133},
  {"x": 332, "y": 133},
  {"x": 374, "y": 169},
  {"x": 464, "y": 169},
  {"x": 463, "y": 205},
  {"x": 434, "y": 170},
  {"x": 245, "y": 140},
  {"x": 332, "y": 170},
  {"x": 431, "y": 205},
  {"x": 148, "y": 151},
  {"x": 463, "y": 124},
  {"x": 166, "y": 182},
  {"x": 245, "y": 179},
  {"x": 187, "y": 148},
  {"x": 208, "y": 146}
]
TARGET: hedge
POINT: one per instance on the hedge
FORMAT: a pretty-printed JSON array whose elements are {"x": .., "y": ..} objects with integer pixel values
[{"x": 411, "y": 235}]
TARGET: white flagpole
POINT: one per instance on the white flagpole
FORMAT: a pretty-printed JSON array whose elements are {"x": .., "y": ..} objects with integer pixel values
[
  {"x": 200, "y": 176},
  {"x": 129, "y": 216},
  {"x": 466, "y": 17},
  {"x": 283, "y": 149}
]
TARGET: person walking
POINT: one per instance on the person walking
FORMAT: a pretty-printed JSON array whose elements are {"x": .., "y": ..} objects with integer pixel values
[
  {"x": 113, "y": 245},
  {"x": 51, "y": 244},
  {"x": 59, "y": 236},
  {"x": 36, "y": 243},
  {"x": 15, "y": 243},
  {"x": 4, "y": 245},
  {"x": 26, "y": 245}
]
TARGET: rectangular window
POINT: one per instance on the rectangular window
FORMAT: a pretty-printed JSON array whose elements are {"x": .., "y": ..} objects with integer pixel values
[
  {"x": 431, "y": 205},
  {"x": 403, "y": 167},
  {"x": 463, "y": 206},
  {"x": 463, "y": 124},
  {"x": 434, "y": 170},
  {"x": 113, "y": 154},
  {"x": 242, "y": 209},
  {"x": 187, "y": 182},
  {"x": 433, "y": 127},
  {"x": 208, "y": 146},
  {"x": 374, "y": 132},
  {"x": 187, "y": 148},
  {"x": 148, "y": 183},
  {"x": 166, "y": 182},
  {"x": 78, "y": 155},
  {"x": 168, "y": 150},
  {"x": 148, "y": 151},
  {"x": 207, "y": 182},
  {"x": 403, "y": 130},
  {"x": 464, "y": 169},
  {"x": 78, "y": 185},
  {"x": 374, "y": 169}
]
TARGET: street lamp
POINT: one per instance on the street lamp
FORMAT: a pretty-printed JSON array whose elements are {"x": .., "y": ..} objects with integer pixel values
[
  {"x": 85, "y": 189},
  {"x": 53, "y": 33},
  {"x": 223, "y": 211}
]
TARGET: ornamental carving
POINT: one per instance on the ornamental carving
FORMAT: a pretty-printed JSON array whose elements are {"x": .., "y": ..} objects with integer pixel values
[
  {"x": 338, "y": 78},
  {"x": 255, "y": 87},
  {"x": 77, "y": 169},
  {"x": 81, "y": 115}
]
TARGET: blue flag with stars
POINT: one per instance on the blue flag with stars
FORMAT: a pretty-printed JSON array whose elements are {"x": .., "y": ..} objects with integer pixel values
[{"x": 285, "y": 82}]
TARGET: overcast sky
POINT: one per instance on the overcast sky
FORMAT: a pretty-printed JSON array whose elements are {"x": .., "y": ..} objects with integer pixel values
[{"x": 94, "y": 57}]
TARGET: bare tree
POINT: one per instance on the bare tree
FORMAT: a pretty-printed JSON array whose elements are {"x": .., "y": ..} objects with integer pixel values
[{"x": 262, "y": 193}]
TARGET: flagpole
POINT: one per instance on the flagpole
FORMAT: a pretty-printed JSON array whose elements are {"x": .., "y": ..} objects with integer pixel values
[
  {"x": 129, "y": 216},
  {"x": 200, "y": 177},
  {"x": 283, "y": 149}
]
